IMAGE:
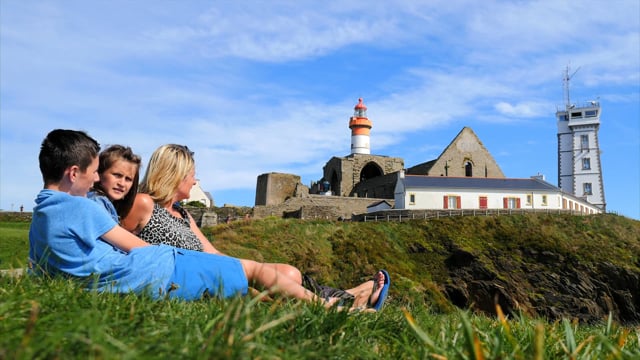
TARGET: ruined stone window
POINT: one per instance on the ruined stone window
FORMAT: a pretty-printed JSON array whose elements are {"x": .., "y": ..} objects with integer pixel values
[
  {"x": 370, "y": 171},
  {"x": 468, "y": 169}
]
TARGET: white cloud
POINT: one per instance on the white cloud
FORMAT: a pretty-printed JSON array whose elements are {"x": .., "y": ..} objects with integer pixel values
[{"x": 519, "y": 110}]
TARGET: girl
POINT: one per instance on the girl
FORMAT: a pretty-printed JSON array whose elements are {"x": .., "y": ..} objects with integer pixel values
[{"x": 119, "y": 171}]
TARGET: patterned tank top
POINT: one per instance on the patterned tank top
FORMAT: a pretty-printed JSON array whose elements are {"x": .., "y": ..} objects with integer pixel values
[{"x": 164, "y": 228}]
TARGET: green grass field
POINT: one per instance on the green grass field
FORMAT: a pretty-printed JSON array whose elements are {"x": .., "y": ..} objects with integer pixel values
[
  {"x": 14, "y": 244},
  {"x": 56, "y": 318}
]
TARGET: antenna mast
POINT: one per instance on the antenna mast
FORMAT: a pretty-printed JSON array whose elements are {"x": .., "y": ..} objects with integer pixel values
[{"x": 566, "y": 80}]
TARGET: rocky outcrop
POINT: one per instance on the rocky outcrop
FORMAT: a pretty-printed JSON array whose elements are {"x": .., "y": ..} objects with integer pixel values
[{"x": 543, "y": 284}]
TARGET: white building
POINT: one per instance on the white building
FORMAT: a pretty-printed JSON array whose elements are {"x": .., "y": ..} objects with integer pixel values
[
  {"x": 420, "y": 192},
  {"x": 579, "y": 166},
  {"x": 379, "y": 206},
  {"x": 197, "y": 194}
]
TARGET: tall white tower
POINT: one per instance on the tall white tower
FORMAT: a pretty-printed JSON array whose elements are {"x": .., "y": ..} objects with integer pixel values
[
  {"x": 360, "y": 126},
  {"x": 579, "y": 167}
]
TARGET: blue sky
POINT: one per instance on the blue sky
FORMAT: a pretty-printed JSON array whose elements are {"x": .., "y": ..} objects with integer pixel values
[{"x": 255, "y": 87}]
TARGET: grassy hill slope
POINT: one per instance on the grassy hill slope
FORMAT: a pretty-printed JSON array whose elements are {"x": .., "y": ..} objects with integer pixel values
[{"x": 539, "y": 264}]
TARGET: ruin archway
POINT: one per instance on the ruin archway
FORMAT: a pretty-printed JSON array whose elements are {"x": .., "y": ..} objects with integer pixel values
[{"x": 370, "y": 170}]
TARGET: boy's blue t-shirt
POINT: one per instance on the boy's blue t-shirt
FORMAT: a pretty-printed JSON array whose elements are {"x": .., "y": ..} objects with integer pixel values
[
  {"x": 105, "y": 202},
  {"x": 65, "y": 237}
]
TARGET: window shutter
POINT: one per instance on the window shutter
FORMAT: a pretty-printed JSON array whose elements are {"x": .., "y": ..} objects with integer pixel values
[
  {"x": 505, "y": 202},
  {"x": 483, "y": 202},
  {"x": 445, "y": 204},
  {"x": 458, "y": 202},
  {"x": 518, "y": 203}
]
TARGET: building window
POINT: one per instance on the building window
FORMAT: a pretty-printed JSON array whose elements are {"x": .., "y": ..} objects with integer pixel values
[
  {"x": 412, "y": 199},
  {"x": 483, "y": 202},
  {"x": 544, "y": 200},
  {"x": 452, "y": 202},
  {"x": 584, "y": 142},
  {"x": 529, "y": 199},
  {"x": 511, "y": 203},
  {"x": 586, "y": 164},
  {"x": 587, "y": 188},
  {"x": 468, "y": 169}
]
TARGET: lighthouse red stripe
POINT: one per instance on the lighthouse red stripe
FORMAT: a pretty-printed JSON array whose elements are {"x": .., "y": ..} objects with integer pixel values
[{"x": 360, "y": 131}]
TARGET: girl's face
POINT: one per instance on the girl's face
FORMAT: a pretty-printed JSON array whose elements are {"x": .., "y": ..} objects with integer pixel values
[
  {"x": 184, "y": 189},
  {"x": 117, "y": 180}
]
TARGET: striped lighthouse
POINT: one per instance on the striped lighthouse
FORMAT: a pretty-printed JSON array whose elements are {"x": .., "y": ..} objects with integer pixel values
[{"x": 360, "y": 127}]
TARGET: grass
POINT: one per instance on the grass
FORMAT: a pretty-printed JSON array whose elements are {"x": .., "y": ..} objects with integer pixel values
[
  {"x": 55, "y": 318},
  {"x": 14, "y": 244}
]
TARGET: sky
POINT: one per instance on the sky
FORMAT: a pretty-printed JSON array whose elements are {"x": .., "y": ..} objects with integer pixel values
[{"x": 254, "y": 87}]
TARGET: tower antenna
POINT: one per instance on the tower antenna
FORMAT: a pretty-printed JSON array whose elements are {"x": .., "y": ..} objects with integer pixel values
[{"x": 566, "y": 80}]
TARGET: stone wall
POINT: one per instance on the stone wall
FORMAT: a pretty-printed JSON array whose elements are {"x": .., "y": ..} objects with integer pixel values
[
  {"x": 344, "y": 173},
  {"x": 16, "y": 215},
  {"x": 317, "y": 207},
  {"x": 382, "y": 187},
  {"x": 275, "y": 188}
]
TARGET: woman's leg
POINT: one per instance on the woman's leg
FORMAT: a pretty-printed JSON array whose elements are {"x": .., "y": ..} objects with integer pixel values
[
  {"x": 290, "y": 271},
  {"x": 267, "y": 277},
  {"x": 287, "y": 270}
]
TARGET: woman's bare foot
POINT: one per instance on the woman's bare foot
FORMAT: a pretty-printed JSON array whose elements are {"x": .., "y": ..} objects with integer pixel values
[
  {"x": 378, "y": 280},
  {"x": 367, "y": 294}
]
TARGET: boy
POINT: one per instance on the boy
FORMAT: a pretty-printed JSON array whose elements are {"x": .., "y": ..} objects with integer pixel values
[{"x": 73, "y": 236}]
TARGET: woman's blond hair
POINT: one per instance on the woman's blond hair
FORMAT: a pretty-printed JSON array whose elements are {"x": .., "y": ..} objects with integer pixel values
[{"x": 168, "y": 166}]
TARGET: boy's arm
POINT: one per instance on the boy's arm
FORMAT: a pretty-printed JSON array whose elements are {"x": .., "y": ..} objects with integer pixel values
[{"x": 123, "y": 240}]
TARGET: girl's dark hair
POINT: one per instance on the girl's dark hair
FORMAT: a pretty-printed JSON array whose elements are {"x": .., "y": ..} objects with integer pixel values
[{"x": 107, "y": 158}]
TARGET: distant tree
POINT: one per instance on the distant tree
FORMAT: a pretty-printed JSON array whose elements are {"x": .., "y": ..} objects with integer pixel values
[{"x": 195, "y": 204}]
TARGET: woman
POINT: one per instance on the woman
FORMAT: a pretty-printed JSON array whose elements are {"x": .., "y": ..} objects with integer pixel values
[{"x": 158, "y": 218}]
